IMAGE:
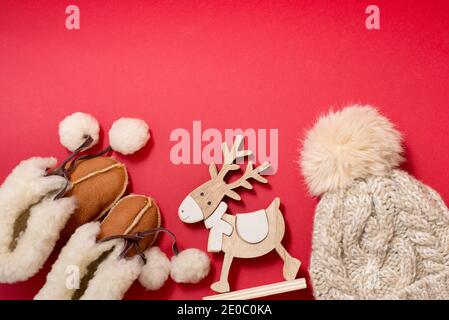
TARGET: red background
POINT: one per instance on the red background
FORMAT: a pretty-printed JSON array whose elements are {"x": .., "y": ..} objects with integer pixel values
[{"x": 230, "y": 64}]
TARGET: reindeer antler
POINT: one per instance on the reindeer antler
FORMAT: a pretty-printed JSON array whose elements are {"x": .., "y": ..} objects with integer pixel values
[
  {"x": 229, "y": 156},
  {"x": 250, "y": 173}
]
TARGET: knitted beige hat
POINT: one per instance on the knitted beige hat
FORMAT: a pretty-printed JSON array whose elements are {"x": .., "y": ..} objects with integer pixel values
[{"x": 378, "y": 232}]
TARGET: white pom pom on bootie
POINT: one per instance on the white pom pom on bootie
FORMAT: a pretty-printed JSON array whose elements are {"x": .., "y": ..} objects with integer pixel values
[
  {"x": 75, "y": 128},
  {"x": 190, "y": 266},
  {"x": 156, "y": 270},
  {"x": 128, "y": 135}
]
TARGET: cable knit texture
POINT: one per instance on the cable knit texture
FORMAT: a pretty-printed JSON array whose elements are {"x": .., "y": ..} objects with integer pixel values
[{"x": 381, "y": 238}]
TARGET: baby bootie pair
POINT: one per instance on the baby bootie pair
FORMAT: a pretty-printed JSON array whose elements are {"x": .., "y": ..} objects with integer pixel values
[
  {"x": 38, "y": 201},
  {"x": 107, "y": 252}
]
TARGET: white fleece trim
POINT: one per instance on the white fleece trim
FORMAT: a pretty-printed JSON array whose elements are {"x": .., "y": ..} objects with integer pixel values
[
  {"x": 112, "y": 278},
  {"x": 25, "y": 186}
]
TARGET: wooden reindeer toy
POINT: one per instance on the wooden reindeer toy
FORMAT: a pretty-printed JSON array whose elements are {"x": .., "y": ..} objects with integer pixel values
[{"x": 244, "y": 235}]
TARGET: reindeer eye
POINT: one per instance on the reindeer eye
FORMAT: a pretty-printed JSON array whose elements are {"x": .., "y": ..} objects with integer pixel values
[
  {"x": 202, "y": 194},
  {"x": 209, "y": 203}
]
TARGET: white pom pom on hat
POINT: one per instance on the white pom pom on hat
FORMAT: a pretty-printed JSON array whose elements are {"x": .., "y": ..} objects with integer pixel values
[
  {"x": 353, "y": 143},
  {"x": 128, "y": 135},
  {"x": 156, "y": 270},
  {"x": 75, "y": 128},
  {"x": 190, "y": 266}
]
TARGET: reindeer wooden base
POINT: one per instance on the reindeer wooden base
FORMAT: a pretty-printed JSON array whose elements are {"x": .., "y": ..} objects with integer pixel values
[
  {"x": 244, "y": 235},
  {"x": 261, "y": 291}
]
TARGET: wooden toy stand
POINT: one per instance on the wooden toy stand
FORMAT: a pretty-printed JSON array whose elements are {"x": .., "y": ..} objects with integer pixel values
[{"x": 262, "y": 291}]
